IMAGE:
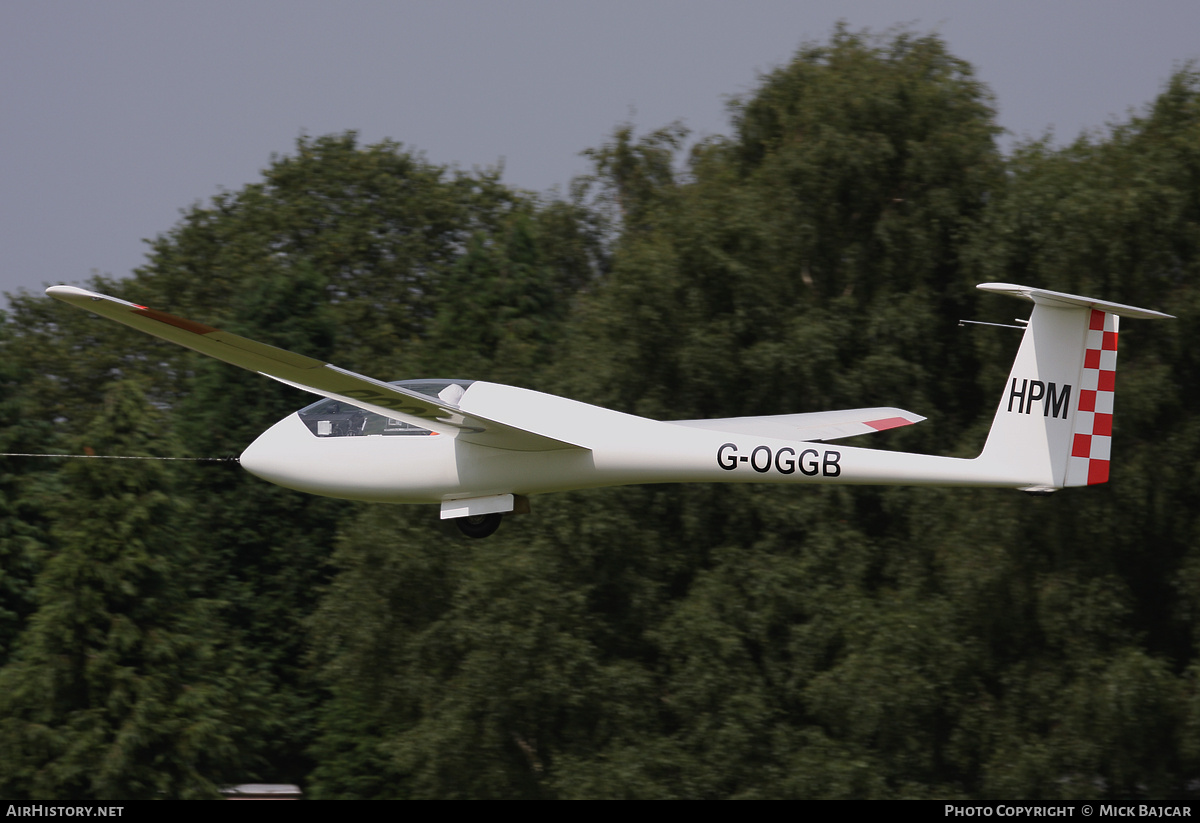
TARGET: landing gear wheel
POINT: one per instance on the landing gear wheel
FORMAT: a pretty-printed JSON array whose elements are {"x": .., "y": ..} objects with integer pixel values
[{"x": 478, "y": 525}]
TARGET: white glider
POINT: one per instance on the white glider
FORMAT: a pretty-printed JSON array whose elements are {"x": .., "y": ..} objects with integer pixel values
[{"x": 481, "y": 449}]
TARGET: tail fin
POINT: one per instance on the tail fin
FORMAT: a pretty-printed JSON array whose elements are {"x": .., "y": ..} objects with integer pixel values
[{"x": 1054, "y": 421}]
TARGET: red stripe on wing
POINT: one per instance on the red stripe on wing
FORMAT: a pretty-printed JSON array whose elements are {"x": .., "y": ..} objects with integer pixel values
[
  {"x": 887, "y": 423},
  {"x": 177, "y": 322}
]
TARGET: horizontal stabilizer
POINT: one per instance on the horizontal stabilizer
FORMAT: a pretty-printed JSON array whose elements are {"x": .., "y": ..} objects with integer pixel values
[
  {"x": 1059, "y": 299},
  {"x": 830, "y": 425}
]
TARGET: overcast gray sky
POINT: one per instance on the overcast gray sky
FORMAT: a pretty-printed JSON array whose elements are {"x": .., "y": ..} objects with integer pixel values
[{"x": 115, "y": 115}]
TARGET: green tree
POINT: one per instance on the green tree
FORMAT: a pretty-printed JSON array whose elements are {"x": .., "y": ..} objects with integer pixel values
[
  {"x": 118, "y": 689},
  {"x": 1106, "y": 582},
  {"x": 826, "y": 642},
  {"x": 380, "y": 262},
  {"x": 23, "y": 521},
  {"x": 259, "y": 548}
]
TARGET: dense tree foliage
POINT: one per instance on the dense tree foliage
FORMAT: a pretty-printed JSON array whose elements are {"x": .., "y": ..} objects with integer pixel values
[
  {"x": 119, "y": 688},
  {"x": 166, "y": 630}
]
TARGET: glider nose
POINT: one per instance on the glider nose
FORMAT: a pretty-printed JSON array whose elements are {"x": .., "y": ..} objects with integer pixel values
[
  {"x": 276, "y": 455},
  {"x": 395, "y": 469}
]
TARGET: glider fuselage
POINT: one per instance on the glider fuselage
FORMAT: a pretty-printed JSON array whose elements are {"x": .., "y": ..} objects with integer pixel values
[{"x": 612, "y": 449}]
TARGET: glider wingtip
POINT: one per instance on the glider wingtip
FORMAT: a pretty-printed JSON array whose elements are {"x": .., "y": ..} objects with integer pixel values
[
  {"x": 77, "y": 296},
  {"x": 62, "y": 292}
]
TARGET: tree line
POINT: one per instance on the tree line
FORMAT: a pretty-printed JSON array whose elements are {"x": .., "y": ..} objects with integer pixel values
[{"x": 170, "y": 628}]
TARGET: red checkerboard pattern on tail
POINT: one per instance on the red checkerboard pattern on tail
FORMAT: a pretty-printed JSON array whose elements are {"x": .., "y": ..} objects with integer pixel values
[{"x": 1091, "y": 443}]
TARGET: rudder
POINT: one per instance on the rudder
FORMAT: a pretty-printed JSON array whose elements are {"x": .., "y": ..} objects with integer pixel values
[{"x": 1091, "y": 436}]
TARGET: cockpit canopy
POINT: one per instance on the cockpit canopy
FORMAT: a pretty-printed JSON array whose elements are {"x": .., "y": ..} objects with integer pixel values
[{"x": 337, "y": 418}]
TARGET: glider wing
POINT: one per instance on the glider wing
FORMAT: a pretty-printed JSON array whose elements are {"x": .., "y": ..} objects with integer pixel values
[
  {"x": 830, "y": 425},
  {"x": 309, "y": 374}
]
